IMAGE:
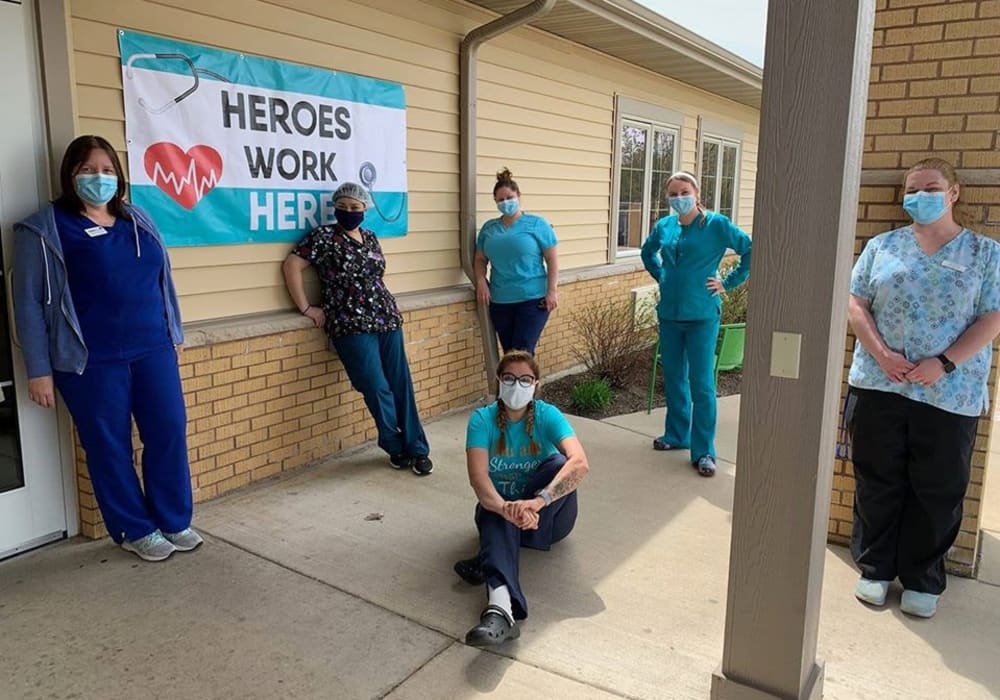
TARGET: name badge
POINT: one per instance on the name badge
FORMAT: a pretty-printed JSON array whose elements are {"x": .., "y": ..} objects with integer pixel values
[
  {"x": 95, "y": 231},
  {"x": 953, "y": 266}
]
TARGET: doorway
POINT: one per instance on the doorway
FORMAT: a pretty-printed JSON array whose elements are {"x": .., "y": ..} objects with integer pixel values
[{"x": 36, "y": 492}]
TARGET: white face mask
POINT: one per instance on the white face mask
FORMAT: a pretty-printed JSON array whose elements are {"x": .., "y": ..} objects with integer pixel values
[{"x": 516, "y": 397}]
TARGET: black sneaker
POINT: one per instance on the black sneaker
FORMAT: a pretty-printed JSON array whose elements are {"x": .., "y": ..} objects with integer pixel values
[
  {"x": 400, "y": 461},
  {"x": 422, "y": 465},
  {"x": 470, "y": 570}
]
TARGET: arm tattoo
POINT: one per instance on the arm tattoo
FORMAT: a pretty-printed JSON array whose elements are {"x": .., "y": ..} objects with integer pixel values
[{"x": 565, "y": 485}]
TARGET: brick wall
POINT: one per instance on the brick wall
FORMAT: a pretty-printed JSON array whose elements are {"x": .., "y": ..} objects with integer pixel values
[
  {"x": 264, "y": 405},
  {"x": 935, "y": 91}
]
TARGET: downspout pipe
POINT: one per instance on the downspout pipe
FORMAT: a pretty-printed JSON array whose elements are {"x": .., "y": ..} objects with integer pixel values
[{"x": 467, "y": 154}]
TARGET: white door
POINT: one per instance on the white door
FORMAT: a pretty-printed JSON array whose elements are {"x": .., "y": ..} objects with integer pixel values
[{"x": 33, "y": 504}]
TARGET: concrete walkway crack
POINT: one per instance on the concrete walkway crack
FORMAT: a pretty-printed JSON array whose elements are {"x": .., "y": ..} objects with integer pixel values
[
  {"x": 451, "y": 640},
  {"x": 318, "y": 580},
  {"x": 418, "y": 669}
]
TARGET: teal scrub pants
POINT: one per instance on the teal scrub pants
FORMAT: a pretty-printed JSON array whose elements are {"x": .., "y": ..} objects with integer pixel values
[{"x": 687, "y": 355}]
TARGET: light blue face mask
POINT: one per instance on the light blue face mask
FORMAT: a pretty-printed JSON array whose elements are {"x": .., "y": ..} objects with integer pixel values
[
  {"x": 96, "y": 188},
  {"x": 925, "y": 207},
  {"x": 508, "y": 207},
  {"x": 683, "y": 205}
]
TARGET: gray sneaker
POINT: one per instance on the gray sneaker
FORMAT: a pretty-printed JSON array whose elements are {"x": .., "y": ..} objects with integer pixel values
[
  {"x": 185, "y": 540},
  {"x": 152, "y": 547},
  {"x": 706, "y": 466}
]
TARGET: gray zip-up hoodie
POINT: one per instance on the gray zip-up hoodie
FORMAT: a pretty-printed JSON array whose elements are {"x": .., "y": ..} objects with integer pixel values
[{"x": 44, "y": 315}]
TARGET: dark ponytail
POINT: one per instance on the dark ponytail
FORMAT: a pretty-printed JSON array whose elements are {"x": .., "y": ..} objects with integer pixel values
[{"x": 505, "y": 178}]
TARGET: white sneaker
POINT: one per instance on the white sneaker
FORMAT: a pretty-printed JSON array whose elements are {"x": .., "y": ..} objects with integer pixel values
[
  {"x": 185, "y": 540},
  {"x": 871, "y": 592},
  {"x": 919, "y": 604},
  {"x": 152, "y": 547}
]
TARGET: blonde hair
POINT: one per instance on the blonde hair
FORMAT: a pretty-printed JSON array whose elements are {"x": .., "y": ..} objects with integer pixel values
[
  {"x": 958, "y": 212},
  {"x": 686, "y": 177}
]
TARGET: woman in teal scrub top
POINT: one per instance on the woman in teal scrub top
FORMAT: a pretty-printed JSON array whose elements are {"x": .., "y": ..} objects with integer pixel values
[
  {"x": 682, "y": 253},
  {"x": 520, "y": 249}
]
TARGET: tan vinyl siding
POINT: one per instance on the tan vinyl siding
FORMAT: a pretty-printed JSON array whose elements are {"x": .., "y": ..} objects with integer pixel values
[{"x": 546, "y": 110}]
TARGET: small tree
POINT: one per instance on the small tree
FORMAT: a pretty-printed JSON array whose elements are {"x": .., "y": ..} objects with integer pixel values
[{"x": 611, "y": 338}]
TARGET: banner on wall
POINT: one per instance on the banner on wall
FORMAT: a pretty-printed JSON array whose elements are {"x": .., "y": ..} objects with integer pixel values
[{"x": 229, "y": 148}]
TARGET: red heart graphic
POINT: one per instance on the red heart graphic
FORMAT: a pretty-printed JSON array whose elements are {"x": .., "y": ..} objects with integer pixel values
[{"x": 186, "y": 177}]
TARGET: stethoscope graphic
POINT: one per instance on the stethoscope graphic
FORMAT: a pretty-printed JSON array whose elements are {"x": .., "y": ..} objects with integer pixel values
[
  {"x": 195, "y": 71},
  {"x": 367, "y": 175}
]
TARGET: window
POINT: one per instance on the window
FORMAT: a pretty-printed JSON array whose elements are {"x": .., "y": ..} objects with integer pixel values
[
  {"x": 719, "y": 159},
  {"x": 647, "y": 157}
]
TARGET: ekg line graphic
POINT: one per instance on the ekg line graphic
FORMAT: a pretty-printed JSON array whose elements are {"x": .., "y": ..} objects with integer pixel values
[{"x": 201, "y": 186}]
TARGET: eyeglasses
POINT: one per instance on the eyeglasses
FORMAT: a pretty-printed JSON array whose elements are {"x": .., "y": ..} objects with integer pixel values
[{"x": 524, "y": 380}]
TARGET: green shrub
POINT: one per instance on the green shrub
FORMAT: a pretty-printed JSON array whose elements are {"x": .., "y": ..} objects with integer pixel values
[
  {"x": 591, "y": 395},
  {"x": 734, "y": 303}
]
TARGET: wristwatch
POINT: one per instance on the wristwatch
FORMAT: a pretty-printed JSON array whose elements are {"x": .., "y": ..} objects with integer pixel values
[
  {"x": 545, "y": 496},
  {"x": 949, "y": 366}
]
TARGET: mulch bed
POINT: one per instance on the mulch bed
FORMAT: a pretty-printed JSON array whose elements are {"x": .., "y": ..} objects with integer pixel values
[{"x": 630, "y": 399}]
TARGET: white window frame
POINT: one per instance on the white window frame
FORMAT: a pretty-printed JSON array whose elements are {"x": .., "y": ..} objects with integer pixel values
[
  {"x": 654, "y": 117},
  {"x": 723, "y": 135}
]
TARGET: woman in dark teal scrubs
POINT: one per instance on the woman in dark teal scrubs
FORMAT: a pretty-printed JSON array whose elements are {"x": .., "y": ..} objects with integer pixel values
[{"x": 683, "y": 253}]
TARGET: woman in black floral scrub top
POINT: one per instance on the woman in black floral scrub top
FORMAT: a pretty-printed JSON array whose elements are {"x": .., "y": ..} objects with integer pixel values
[{"x": 360, "y": 316}]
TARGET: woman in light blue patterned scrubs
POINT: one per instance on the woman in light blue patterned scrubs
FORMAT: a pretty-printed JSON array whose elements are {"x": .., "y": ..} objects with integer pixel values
[{"x": 925, "y": 307}]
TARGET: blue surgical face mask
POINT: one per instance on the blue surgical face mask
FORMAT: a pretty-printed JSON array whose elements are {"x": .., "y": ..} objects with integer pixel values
[
  {"x": 683, "y": 205},
  {"x": 96, "y": 188},
  {"x": 508, "y": 207},
  {"x": 925, "y": 207},
  {"x": 350, "y": 220}
]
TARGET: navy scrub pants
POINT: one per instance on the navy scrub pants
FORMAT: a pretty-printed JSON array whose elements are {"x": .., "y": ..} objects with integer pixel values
[
  {"x": 102, "y": 401},
  {"x": 500, "y": 540},
  {"x": 377, "y": 367},
  {"x": 687, "y": 355},
  {"x": 519, "y": 325},
  {"x": 911, "y": 467}
]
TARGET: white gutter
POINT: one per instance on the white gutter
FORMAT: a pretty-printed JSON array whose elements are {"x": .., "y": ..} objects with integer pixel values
[
  {"x": 467, "y": 154},
  {"x": 655, "y": 27}
]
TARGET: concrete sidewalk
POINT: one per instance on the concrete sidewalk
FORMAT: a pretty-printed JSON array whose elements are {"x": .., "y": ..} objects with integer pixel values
[{"x": 297, "y": 594}]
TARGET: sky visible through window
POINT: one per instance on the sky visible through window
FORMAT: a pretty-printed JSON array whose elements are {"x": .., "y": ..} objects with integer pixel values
[{"x": 735, "y": 25}]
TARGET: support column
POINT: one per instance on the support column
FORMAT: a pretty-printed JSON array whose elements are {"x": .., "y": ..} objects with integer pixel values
[{"x": 809, "y": 165}]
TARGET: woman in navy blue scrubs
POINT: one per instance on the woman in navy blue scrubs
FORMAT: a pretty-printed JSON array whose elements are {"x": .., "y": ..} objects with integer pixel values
[{"x": 98, "y": 318}]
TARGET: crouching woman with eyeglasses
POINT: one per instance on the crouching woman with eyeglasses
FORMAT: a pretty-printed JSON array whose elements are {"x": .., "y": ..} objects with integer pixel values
[{"x": 524, "y": 465}]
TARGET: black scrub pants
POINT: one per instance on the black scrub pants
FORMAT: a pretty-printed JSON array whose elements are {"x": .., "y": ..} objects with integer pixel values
[
  {"x": 500, "y": 541},
  {"x": 911, "y": 467}
]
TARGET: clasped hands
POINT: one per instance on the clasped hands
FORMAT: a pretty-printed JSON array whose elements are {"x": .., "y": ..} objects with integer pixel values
[
  {"x": 899, "y": 369},
  {"x": 523, "y": 513}
]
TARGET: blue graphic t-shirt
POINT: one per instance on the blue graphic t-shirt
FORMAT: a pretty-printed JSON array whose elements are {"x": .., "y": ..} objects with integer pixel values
[
  {"x": 921, "y": 305},
  {"x": 517, "y": 272},
  {"x": 510, "y": 471}
]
